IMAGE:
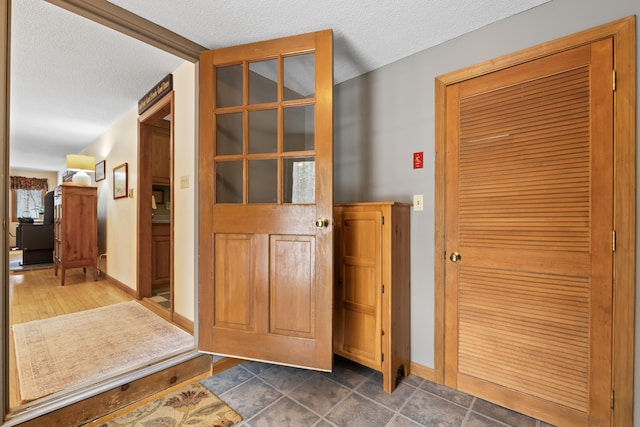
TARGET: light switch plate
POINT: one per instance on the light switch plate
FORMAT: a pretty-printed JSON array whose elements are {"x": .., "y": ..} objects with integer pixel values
[
  {"x": 184, "y": 181},
  {"x": 418, "y": 202}
]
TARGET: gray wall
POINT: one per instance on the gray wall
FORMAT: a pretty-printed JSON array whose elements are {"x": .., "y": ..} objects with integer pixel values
[{"x": 386, "y": 115}]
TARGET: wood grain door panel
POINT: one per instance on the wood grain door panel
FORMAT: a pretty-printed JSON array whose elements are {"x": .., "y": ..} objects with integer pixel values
[
  {"x": 234, "y": 298},
  {"x": 293, "y": 289}
]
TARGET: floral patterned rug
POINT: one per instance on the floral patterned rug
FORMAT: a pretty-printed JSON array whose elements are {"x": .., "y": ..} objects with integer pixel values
[{"x": 193, "y": 406}]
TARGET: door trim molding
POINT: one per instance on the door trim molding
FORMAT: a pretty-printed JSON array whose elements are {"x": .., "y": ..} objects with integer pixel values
[
  {"x": 5, "y": 43},
  {"x": 622, "y": 32}
]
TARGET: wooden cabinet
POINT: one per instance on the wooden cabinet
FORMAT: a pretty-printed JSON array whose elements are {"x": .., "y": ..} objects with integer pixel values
[
  {"x": 161, "y": 255},
  {"x": 372, "y": 295},
  {"x": 161, "y": 153},
  {"x": 75, "y": 228}
]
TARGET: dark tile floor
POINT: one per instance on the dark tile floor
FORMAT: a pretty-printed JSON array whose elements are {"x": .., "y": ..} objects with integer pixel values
[
  {"x": 161, "y": 296},
  {"x": 272, "y": 395}
]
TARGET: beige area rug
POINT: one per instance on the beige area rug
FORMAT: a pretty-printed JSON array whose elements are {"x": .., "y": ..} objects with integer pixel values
[
  {"x": 192, "y": 405},
  {"x": 73, "y": 349}
]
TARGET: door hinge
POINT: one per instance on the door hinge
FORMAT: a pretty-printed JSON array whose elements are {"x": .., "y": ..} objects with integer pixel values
[
  {"x": 613, "y": 241},
  {"x": 382, "y": 219},
  {"x": 382, "y": 357},
  {"x": 612, "y": 398},
  {"x": 615, "y": 75},
  {"x": 383, "y": 289}
]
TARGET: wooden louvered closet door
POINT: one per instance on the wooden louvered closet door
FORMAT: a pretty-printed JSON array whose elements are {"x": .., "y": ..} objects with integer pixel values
[{"x": 529, "y": 209}]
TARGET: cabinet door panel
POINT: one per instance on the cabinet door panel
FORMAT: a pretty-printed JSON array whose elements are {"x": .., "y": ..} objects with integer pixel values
[
  {"x": 161, "y": 260},
  {"x": 359, "y": 298},
  {"x": 372, "y": 293},
  {"x": 161, "y": 155}
]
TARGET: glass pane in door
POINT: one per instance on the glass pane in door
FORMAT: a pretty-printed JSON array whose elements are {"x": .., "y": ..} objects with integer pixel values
[
  {"x": 299, "y": 180},
  {"x": 263, "y": 181},
  {"x": 228, "y": 134},
  {"x": 229, "y": 182},
  {"x": 299, "y": 77},
  {"x": 299, "y": 128},
  {"x": 263, "y": 131},
  {"x": 229, "y": 86},
  {"x": 263, "y": 81}
]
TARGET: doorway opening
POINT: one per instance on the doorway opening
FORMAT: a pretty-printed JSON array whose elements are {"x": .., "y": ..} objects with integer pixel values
[{"x": 155, "y": 219}]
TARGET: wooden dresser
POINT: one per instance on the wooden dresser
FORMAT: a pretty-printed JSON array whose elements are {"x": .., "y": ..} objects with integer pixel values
[
  {"x": 372, "y": 315},
  {"x": 75, "y": 228}
]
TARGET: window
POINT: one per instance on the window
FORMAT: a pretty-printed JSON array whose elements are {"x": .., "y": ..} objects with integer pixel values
[{"x": 27, "y": 197}]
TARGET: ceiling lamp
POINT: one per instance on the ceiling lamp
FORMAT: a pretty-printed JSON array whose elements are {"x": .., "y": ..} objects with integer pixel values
[{"x": 81, "y": 164}]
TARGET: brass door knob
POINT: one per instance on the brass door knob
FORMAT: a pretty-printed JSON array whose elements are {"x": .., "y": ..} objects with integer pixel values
[
  {"x": 455, "y": 257},
  {"x": 322, "y": 223}
]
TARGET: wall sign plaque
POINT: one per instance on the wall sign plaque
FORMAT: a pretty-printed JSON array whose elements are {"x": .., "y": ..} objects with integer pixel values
[{"x": 156, "y": 93}]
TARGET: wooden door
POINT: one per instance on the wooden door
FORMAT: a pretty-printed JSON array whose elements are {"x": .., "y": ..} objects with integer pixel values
[
  {"x": 529, "y": 205},
  {"x": 266, "y": 197}
]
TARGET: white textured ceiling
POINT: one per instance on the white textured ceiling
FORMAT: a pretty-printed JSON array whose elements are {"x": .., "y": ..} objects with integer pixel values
[{"x": 71, "y": 79}]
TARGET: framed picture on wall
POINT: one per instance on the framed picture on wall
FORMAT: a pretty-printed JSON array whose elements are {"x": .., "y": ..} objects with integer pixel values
[
  {"x": 100, "y": 175},
  {"x": 120, "y": 183}
]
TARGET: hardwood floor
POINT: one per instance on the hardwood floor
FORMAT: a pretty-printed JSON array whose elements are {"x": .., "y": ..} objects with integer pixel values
[{"x": 37, "y": 294}]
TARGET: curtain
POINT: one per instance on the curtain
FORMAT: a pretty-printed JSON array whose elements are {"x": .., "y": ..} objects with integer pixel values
[{"x": 24, "y": 183}]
